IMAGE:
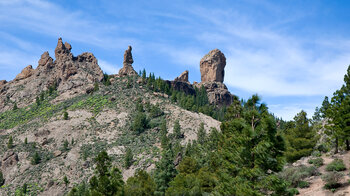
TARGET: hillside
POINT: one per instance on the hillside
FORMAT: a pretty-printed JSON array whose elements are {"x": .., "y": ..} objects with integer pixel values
[{"x": 97, "y": 120}]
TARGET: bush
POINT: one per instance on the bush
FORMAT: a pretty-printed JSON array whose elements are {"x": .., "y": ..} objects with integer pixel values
[
  {"x": 332, "y": 179},
  {"x": 316, "y": 154},
  {"x": 317, "y": 162},
  {"x": 36, "y": 159},
  {"x": 294, "y": 175},
  {"x": 303, "y": 184},
  {"x": 65, "y": 115},
  {"x": 336, "y": 165},
  {"x": 322, "y": 148},
  {"x": 2, "y": 180},
  {"x": 10, "y": 143},
  {"x": 128, "y": 159},
  {"x": 140, "y": 123}
]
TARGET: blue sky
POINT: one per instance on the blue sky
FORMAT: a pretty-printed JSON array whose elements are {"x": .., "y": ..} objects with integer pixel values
[{"x": 292, "y": 53}]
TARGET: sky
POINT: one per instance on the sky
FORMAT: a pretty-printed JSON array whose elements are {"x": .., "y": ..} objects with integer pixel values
[{"x": 291, "y": 53}]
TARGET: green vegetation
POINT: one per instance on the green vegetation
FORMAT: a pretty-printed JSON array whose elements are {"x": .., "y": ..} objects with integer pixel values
[
  {"x": 336, "y": 165},
  {"x": 128, "y": 160},
  {"x": 2, "y": 180},
  {"x": 65, "y": 115},
  {"x": 295, "y": 175},
  {"x": 332, "y": 179},
  {"x": 65, "y": 180},
  {"x": 140, "y": 184},
  {"x": 10, "y": 142},
  {"x": 317, "y": 162},
  {"x": 36, "y": 159},
  {"x": 300, "y": 138}
]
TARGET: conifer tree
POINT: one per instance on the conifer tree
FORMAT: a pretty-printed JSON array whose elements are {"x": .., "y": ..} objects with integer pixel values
[
  {"x": 10, "y": 142},
  {"x": 300, "y": 138},
  {"x": 128, "y": 159},
  {"x": 201, "y": 134},
  {"x": 140, "y": 184},
  {"x": 177, "y": 130}
]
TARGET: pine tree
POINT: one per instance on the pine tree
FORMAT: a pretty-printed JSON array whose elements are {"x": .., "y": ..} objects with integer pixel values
[
  {"x": 37, "y": 101},
  {"x": 36, "y": 159},
  {"x": 177, "y": 130},
  {"x": 300, "y": 138},
  {"x": 10, "y": 142},
  {"x": 128, "y": 159},
  {"x": 107, "y": 181},
  {"x": 25, "y": 141},
  {"x": 65, "y": 115},
  {"x": 250, "y": 150},
  {"x": 201, "y": 134},
  {"x": 140, "y": 184},
  {"x": 2, "y": 180},
  {"x": 15, "y": 107},
  {"x": 65, "y": 145}
]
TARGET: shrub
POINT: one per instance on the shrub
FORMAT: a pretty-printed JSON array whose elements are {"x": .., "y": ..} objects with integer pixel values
[
  {"x": 2, "y": 180},
  {"x": 140, "y": 123},
  {"x": 336, "y": 165},
  {"x": 10, "y": 142},
  {"x": 65, "y": 115},
  {"x": 128, "y": 158},
  {"x": 26, "y": 141},
  {"x": 65, "y": 180},
  {"x": 15, "y": 106},
  {"x": 294, "y": 175},
  {"x": 316, "y": 154},
  {"x": 36, "y": 159},
  {"x": 322, "y": 148},
  {"x": 317, "y": 162},
  {"x": 332, "y": 179},
  {"x": 303, "y": 184}
]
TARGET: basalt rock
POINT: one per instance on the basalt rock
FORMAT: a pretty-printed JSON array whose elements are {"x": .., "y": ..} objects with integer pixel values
[
  {"x": 212, "y": 66},
  {"x": 185, "y": 87},
  {"x": 183, "y": 77},
  {"x": 25, "y": 73},
  {"x": 127, "y": 68}
]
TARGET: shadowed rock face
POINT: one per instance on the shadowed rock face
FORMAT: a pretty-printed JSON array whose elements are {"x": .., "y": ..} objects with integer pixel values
[
  {"x": 127, "y": 68},
  {"x": 71, "y": 74},
  {"x": 183, "y": 77},
  {"x": 212, "y": 66}
]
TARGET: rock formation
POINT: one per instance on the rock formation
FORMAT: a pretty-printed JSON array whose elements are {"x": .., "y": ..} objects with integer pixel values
[
  {"x": 127, "y": 68},
  {"x": 71, "y": 74},
  {"x": 183, "y": 77},
  {"x": 25, "y": 73},
  {"x": 212, "y": 66}
]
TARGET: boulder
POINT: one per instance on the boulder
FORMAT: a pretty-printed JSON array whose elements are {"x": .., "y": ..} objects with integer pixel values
[
  {"x": 183, "y": 77},
  {"x": 127, "y": 68},
  {"x": 9, "y": 159},
  {"x": 212, "y": 66},
  {"x": 25, "y": 73}
]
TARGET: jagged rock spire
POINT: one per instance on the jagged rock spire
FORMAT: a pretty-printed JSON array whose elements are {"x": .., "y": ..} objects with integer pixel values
[
  {"x": 183, "y": 77},
  {"x": 127, "y": 64}
]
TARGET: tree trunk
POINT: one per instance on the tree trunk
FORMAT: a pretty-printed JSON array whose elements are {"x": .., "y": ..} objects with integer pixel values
[
  {"x": 347, "y": 145},
  {"x": 336, "y": 145}
]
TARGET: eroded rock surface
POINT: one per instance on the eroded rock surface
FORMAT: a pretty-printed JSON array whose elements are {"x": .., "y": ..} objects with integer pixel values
[
  {"x": 71, "y": 75},
  {"x": 212, "y": 66},
  {"x": 127, "y": 68},
  {"x": 183, "y": 77}
]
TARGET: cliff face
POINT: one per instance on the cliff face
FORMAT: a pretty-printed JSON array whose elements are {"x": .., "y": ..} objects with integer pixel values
[{"x": 71, "y": 75}]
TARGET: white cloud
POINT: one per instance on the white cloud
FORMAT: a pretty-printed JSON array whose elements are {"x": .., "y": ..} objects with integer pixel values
[{"x": 108, "y": 67}]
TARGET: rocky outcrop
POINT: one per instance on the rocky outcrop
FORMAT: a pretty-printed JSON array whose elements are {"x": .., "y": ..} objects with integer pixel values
[
  {"x": 25, "y": 73},
  {"x": 212, "y": 66},
  {"x": 185, "y": 87},
  {"x": 9, "y": 159},
  {"x": 2, "y": 82},
  {"x": 183, "y": 77},
  {"x": 217, "y": 92},
  {"x": 71, "y": 74},
  {"x": 127, "y": 68}
]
